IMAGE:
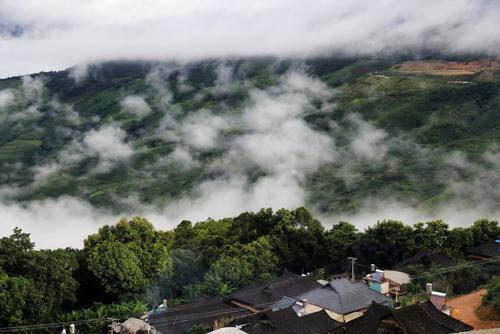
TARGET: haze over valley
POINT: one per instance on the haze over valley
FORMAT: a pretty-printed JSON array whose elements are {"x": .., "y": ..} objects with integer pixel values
[
  {"x": 104, "y": 114},
  {"x": 349, "y": 138}
]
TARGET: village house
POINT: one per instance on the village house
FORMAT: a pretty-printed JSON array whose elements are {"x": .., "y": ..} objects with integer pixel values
[
  {"x": 427, "y": 260},
  {"x": 341, "y": 299},
  {"x": 262, "y": 295},
  {"x": 388, "y": 282},
  {"x": 485, "y": 251},
  {"x": 286, "y": 321},
  {"x": 252, "y": 299},
  {"x": 414, "y": 319}
]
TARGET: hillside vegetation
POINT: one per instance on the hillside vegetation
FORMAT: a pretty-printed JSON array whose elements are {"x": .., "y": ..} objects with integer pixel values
[{"x": 156, "y": 131}]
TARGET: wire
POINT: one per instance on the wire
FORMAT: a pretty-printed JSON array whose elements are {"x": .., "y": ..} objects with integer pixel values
[
  {"x": 165, "y": 321},
  {"x": 455, "y": 267},
  {"x": 59, "y": 324},
  {"x": 199, "y": 316},
  {"x": 361, "y": 265}
]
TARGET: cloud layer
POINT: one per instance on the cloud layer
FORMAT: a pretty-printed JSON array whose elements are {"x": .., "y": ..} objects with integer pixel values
[
  {"x": 264, "y": 163},
  {"x": 54, "y": 34}
]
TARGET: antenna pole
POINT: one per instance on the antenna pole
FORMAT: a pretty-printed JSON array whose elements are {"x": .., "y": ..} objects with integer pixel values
[{"x": 352, "y": 259}]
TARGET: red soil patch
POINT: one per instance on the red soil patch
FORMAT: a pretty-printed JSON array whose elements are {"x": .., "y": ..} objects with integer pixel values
[
  {"x": 464, "y": 309},
  {"x": 439, "y": 67}
]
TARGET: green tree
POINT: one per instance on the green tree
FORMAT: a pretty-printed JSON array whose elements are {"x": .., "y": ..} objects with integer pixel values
[
  {"x": 240, "y": 266},
  {"x": 187, "y": 271},
  {"x": 298, "y": 240},
  {"x": 339, "y": 238},
  {"x": 386, "y": 243},
  {"x": 459, "y": 239},
  {"x": 184, "y": 233},
  {"x": 53, "y": 271},
  {"x": 117, "y": 268},
  {"x": 493, "y": 295},
  {"x": 211, "y": 237},
  {"x": 430, "y": 236},
  {"x": 484, "y": 230},
  {"x": 20, "y": 301},
  {"x": 128, "y": 256},
  {"x": 15, "y": 252}
]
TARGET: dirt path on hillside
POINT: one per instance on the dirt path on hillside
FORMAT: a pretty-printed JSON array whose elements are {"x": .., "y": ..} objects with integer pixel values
[{"x": 464, "y": 309}]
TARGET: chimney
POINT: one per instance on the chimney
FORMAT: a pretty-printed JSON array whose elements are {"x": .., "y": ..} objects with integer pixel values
[
  {"x": 373, "y": 267},
  {"x": 302, "y": 311},
  {"x": 165, "y": 304},
  {"x": 428, "y": 288}
]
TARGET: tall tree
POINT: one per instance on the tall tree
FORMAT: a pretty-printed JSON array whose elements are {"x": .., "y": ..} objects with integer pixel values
[
  {"x": 484, "y": 230},
  {"x": 128, "y": 256},
  {"x": 431, "y": 236},
  {"x": 298, "y": 240},
  {"x": 15, "y": 252},
  {"x": 386, "y": 243},
  {"x": 240, "y": 266},
  {"x": 20, "y": 300},
  {"x": 338, "y": 239}
]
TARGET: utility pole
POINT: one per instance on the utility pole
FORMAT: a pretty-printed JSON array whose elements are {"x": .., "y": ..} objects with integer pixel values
[{"x": 352, "y": 259}]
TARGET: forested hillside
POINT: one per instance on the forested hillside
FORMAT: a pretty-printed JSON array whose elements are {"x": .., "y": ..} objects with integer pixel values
[{"x": 328, "y": 133}]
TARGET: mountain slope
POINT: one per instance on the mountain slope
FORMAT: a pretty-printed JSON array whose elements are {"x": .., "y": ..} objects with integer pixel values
[{"x": 331, "y": 133}]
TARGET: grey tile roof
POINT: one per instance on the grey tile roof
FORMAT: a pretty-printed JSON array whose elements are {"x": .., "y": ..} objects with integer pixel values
[
  {"x": 263, "y": 293},
  {"x": 427, "y": 259},
  {"x": 286, "y": 321},
  {"x": 414, "y": 319},
  {"x": 202, "y": 311},
  {"x": 488, "y": 249},
  {"x": 343, "y": 297},
  {"x": 283, "y": 303}
]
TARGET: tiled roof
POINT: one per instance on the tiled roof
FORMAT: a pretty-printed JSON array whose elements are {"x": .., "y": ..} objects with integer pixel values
[
  {"x": 414, "y": 319},
  {"x": 488, "y": 249},
  {"x": 288, "y": 284},
  {"x": 263, "y": 293},
  {"x": 286, "y": 321},
  {"x": 343, "y": 297},
  {"x": 179, "y": 319},
  {"x": 426, "y": 259}
]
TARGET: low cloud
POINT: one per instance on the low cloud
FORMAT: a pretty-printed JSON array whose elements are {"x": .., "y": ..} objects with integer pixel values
[
  {"x": 263, "y": 162},
  {"x": 136, "y": 105},
  {"x": 60, "y": 33},
  {"x": 107, "y": 144},
  {"x": 376, "y": 209},
  {"x": 200, "y": 130},
  {"x": 79, "y": 72},
  {"x": 368, "y": 141},
  {"x": 54, "y": 222},
  {"x": 33, "y": 88},
  {"x": 7, "y": 98}
]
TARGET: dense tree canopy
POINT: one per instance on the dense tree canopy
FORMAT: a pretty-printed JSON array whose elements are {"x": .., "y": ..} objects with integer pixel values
[
  {"x": 132, "y": 263},
  {"x": 128, "y": 256}
]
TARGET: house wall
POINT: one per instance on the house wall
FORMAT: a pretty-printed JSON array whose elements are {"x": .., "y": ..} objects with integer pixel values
[
  {"x": 383, "y": 288},
  {"x": 310, "y": 308},
  {"x": 346, "y": 317}
]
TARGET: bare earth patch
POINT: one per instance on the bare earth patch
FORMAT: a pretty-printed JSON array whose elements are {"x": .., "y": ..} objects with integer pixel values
[{"x": 464, "y": 308}]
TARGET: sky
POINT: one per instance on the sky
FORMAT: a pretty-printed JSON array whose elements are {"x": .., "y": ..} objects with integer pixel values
[{"x": 38, "y": 35}]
